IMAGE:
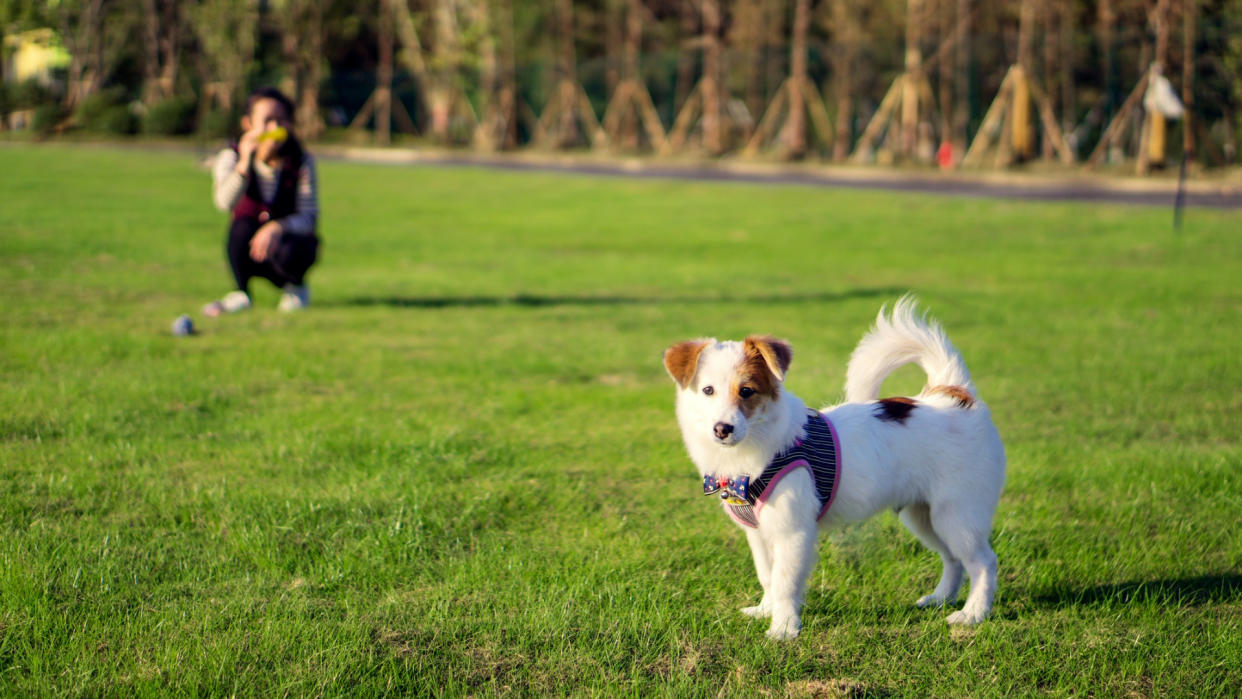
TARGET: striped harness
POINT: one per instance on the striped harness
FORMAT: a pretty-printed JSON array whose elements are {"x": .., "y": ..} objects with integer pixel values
[{"x": 743, "y": 498}]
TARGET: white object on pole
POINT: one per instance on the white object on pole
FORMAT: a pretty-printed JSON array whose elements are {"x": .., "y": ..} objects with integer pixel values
[{"x": 1162, "y": 98}]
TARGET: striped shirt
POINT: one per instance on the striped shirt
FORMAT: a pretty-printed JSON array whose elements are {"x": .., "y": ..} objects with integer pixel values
[
  {"x": 817, "y": 452},
  {"x": 229, "y": 186}
]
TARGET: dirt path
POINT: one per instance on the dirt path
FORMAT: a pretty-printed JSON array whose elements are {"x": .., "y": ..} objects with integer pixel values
[{"x": 1074, "y": 187}]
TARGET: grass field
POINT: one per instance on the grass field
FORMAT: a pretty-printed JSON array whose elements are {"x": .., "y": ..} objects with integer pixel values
[{"x": 459, "y": 472}]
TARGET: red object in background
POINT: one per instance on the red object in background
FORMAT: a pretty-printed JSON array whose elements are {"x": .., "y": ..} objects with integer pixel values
[{"x": 944, "y": 155}]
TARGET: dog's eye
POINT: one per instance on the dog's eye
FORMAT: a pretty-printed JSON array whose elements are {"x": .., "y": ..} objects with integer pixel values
[
  {"x": 746, "y": 391},
  {"x": 708, "y": 390}
]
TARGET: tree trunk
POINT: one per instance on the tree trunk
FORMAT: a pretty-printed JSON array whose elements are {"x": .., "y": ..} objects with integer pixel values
[
  {"x": 945, "y": 70},
  {"x": 308, "y": 121},
  {"x": 83, "y": 34},
  {"x": 633, "y": 46},
  {"x": 795, "y": 128},
  {"x": 1160, "y": 19},
  {"x": 750, "y": 40},
  {"x": 290, "y": 41},
  {"x": 447, "y": 52},
  {"x": 633, "y": 38},
  {"x": 151, "y": 49},
  {"x": 961, "y": 112},
  {"x": 383, "y": 75},
  {"x": 1155, "y": 126},
  {"x": 1050, "y": 67},
  {"x": 1069, "y": 102},
  {"x": 614, "y": 30},
  {"x": 914, "y": 69},
  {"x": 713, "y": 129},
  {"x": 508, "y": 107},
  {"x": 1107, "y": 21},
  {"x": 774, "y": 39},
  {"x": 845, "y": 32},
  {"x": 1022, "y": 139},
  {"x": 488, "y": 77},
  {"x": 685, "y": 58},
  {"x": 568, "y": 128},
  {"x": 1190, "y": 18}
]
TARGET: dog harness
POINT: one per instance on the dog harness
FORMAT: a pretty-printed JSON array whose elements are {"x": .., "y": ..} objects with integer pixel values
[{"x": 743, "y": 498}]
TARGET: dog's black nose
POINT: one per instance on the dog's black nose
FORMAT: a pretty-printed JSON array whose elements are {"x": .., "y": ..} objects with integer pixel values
[{"x": 723, "y": 429}]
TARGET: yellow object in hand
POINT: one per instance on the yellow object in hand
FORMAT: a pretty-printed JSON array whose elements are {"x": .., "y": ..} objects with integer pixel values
[{"x": 277, "y": 134}]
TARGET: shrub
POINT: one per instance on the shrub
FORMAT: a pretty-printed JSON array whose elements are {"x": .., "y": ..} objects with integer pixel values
[
  {"x": 47, "y": 117},
  {"x": 116, "y": 121},
  {"x": 29, "y": 94},
  {"x": 171, "y": 117},
  {"x": 105, "y": 112},
  {"x": 217, "y": 124}
]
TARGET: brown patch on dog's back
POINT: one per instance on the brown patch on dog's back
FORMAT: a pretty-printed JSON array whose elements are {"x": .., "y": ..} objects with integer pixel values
[
  {"x": 895, "y": 409},
  {"x": 959, "y": 393}
]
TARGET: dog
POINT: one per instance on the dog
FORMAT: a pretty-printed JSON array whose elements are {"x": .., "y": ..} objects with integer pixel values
[{"x": 783, "y": 471}]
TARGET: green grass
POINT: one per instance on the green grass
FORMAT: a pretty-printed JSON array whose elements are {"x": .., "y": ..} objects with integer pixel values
[{"x": 459, "y": 472}]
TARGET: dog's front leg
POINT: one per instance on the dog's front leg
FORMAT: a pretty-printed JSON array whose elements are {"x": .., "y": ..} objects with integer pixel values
[
  {"x": 793, "y": 557},
  {"x": 763, "y": 567}
]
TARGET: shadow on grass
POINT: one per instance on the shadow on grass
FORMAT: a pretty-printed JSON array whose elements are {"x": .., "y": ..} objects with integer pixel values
[
  {"x": 1183, "y": 592},
  {"x": 538, "y": 301}
]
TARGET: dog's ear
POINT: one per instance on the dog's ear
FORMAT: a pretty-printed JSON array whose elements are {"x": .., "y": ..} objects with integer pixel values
[
  {"x": 777, "y": 354},
  {"x": 682, "y": 360}
]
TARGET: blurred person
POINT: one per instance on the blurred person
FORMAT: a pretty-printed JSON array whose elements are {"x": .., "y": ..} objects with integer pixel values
[{"x": 267, "y": 182}]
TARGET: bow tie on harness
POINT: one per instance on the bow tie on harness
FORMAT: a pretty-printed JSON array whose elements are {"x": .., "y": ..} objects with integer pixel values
[
  {"x": 743, "y": 497},
  {"x": 735, "y": 490}
]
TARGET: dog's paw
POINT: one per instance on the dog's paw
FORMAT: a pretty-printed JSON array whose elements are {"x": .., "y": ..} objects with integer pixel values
[
  {"x": 785, "y": 630},
  {"x": 757, "y": 612},
  {"x": 931, "y": 600},
  {"x": 966, "y": 618}
]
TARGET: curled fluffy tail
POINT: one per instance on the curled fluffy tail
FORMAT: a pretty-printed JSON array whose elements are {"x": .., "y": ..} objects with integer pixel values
[{"x": 901, "y": 339}]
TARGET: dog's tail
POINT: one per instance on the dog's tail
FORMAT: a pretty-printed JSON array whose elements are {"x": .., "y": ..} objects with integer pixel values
[{"x": 905, "y": 338}]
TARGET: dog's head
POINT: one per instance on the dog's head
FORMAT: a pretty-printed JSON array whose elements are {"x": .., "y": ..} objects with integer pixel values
[{"x": 725, "y": 388}]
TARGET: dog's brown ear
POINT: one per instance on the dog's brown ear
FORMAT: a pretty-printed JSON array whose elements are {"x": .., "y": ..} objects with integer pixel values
[
  {"x": 777, "y": 354},
  {"x": 682, "y": 360}
]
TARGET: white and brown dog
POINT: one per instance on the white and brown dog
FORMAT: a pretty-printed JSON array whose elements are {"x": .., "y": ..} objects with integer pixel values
[{"x": 784, "y": 471}]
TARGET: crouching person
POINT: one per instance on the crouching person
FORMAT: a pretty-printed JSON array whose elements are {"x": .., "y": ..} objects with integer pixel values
[{"x": 267, "y": 181}]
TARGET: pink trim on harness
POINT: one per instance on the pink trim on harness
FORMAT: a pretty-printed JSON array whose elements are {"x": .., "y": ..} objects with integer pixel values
[{"x": 747, "y": 515}]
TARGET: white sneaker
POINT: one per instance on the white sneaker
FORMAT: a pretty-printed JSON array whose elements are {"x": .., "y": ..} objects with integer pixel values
[
  {"x": 232, "y": 302},
  {"x": 294, "y": 297}
]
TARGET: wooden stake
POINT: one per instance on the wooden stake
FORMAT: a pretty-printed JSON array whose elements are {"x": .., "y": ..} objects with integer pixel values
[{"x": 1118, "y": 124}]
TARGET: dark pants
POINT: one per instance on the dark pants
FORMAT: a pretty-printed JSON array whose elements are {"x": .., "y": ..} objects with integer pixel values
[{"x": 286, "y": 263}]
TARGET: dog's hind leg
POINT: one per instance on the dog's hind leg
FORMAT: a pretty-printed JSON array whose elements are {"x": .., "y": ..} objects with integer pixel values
[
  {"x": 969, "y": 543},
  {"x": 917, "y": 519},
  {"x": 763, "y": 567}
]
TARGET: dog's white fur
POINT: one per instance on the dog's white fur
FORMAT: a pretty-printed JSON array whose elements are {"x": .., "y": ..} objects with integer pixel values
[{"x": 942, "y": 468}]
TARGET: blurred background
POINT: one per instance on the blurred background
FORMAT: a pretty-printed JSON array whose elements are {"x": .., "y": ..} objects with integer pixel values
[{"x": 1137, "y": 85}]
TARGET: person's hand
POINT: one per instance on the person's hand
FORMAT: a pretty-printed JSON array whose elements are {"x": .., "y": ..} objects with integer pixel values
[
  {"x": 246, "y": 148},
  {"x": 264, "y": 239}
]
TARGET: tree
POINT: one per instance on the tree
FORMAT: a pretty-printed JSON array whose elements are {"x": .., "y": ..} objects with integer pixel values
[
  {"x": 705, "y": 104},
  {"x": 224, "y": 35},
  {"x": 631, "y": 104},
  {"x": 81, "y": 25},
  {"x": 795, "y": 98},
  {"x": 568, "y": 119},
  {"x": 847, "y": 38},
  {"x": 162, "y": 42},
  {"x": 301, "y": 27}
]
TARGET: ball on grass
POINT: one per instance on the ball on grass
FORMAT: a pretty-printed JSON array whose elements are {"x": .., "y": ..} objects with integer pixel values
[{"x": 183, "y": 326}]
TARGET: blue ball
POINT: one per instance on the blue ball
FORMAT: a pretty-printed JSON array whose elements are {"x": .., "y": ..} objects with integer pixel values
[{"x": 183, "y": 326}]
